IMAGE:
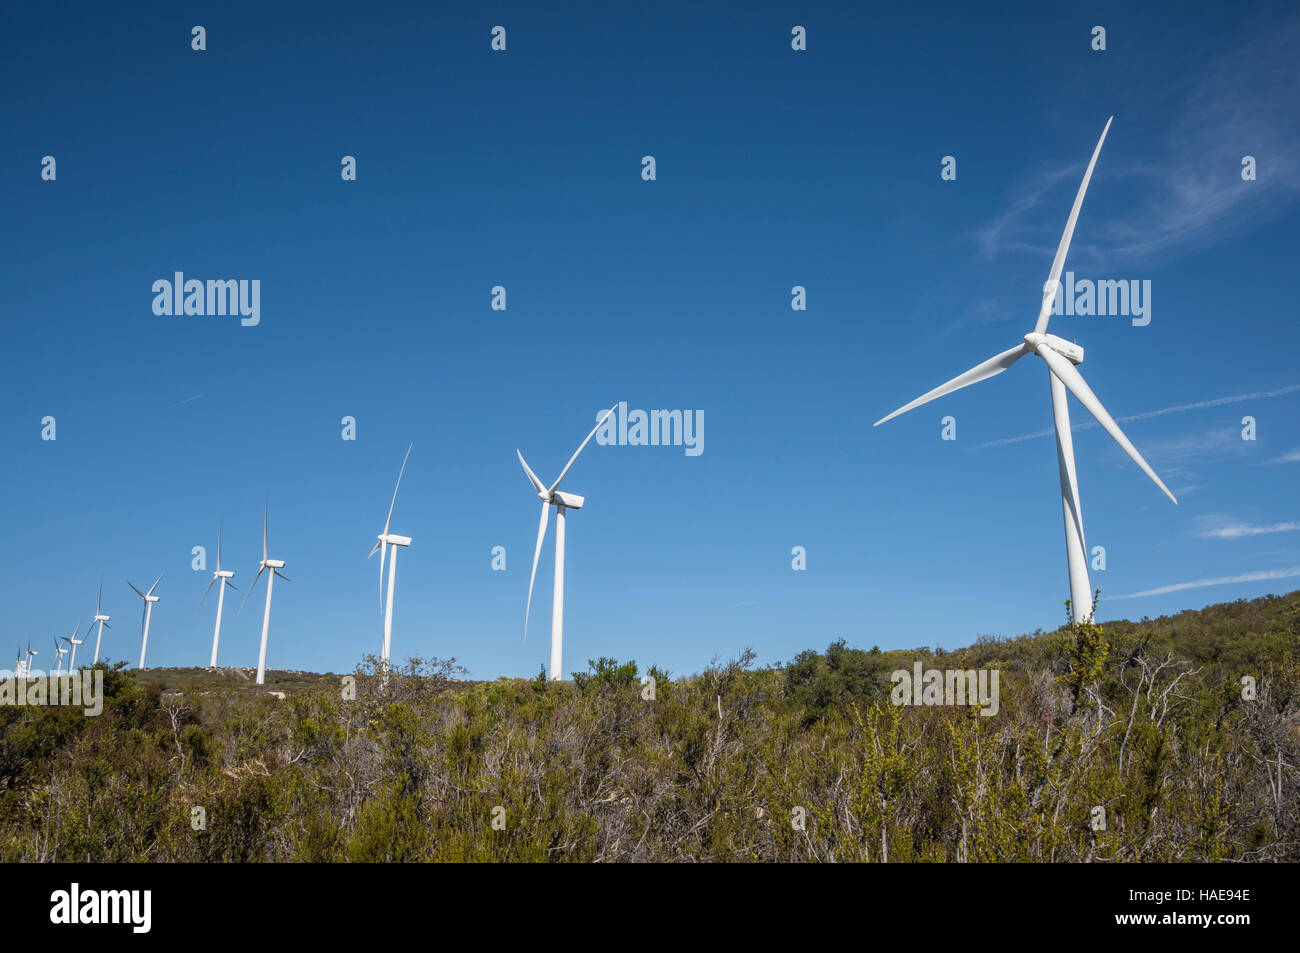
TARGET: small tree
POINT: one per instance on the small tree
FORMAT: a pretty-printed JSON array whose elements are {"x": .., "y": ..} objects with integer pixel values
[{"x": 1087, "y": 654}]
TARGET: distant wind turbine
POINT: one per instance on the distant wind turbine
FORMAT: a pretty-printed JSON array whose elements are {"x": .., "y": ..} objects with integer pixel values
[
  {"x": 149, "y": 599},
  {"x": 101, "y": 619},
  {"x": 389, "y": 540},
  {"x": 551, "y": 496},
  {"x": 74, "y": 642},
  {"x": 223, "y": 576},
  {"x": 1061, "y": 356},
  {"x": 60, "y": 652},
  {"x": 275, "y": 565}
]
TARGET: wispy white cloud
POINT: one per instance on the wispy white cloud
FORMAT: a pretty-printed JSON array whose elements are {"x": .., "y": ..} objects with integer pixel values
[
  {"x": 1243, "y": 104},
  {"x": 1178, "y": 409},
  {"x": 1196, "y": 445},
  {"x": 1292, "y": 456},
  {"x": 1009, "y": 231},
  {"x": 1237, "y": 530},
  {"x": 1260, "y": 576}
]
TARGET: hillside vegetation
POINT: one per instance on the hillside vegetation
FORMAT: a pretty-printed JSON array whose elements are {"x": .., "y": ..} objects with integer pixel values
[{"x": 1129, "y": 741}]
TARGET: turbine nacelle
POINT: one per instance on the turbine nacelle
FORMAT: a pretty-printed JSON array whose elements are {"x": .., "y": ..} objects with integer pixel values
[
  {"x": 223, "y": 574},
  {"x": 272, "y": 564},
  {"x": 101, "y": 618},
  {"x": 1067, "y": 349},
  {"x": 570, "y": 500},
  {"x": 392, "y": 539}
]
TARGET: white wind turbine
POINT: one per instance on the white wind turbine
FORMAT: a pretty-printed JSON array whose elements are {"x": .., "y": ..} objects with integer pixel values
[
  {"x": 1061, "y": 357},
  {"x": 101, "y": 619},
  {"x": 223, "y": 576},
  {"x": 60, "y": 652},
  {"x": 149, "y": 599},
  {"x": 391, "y": 541},
  {"x": 551, "y": 496},
  {"x": 74, "y": 642},
  {"x": 275, "y": 565},
  {"x": 31, "y": 654}
]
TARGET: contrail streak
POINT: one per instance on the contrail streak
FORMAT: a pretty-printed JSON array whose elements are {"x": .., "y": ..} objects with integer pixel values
[
  {"x": 1260, "y": 576},
  {"x": 1239, "y": 530},
  {"x": 1092, "y": 424}
]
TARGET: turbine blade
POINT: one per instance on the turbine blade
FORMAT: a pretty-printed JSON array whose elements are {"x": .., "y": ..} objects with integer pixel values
[
  {"x": 1067, "y": 374},
  {"x": 99, "y": 603},
  {"x": 155, "y": 582},
  {"x": 282, "y": 575},
  {"x": 537, "y": 552},
  {"x": 994, "y": 365},
  {"x": 382, "y": 553},
  {"x": 220, "y": 521},
  {"x": 584, "y": 443},
  {"x": 205, "y": 593},
  {"x": 137, "y": 591},
  {"x": 532, "y": 477},
  {"x": 232, "y": 585},
  {"x": 376, "y": 549},
  {"x": 395, "y": 489},
  {"x": 1049, "y": 290},
  {"x": 266, "y": 515},
  {"x": 250, "y": 590}
]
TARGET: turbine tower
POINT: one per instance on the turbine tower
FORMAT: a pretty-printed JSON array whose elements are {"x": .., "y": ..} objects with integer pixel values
[
  {"x": 101, "y": 619},
  {"x": 60, "y": 652},
  {"x": 389, "y": 540},
  {"x": 275, "y": 565},
  {"x": 223, "y": 576},
  {"x": 1061, "y": 357},
  {"x": 551, "y": 496},
  {"x": 149, "y": 599}
]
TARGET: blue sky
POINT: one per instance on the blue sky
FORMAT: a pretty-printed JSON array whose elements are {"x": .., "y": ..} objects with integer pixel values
[{"x": 775, "y": 168}]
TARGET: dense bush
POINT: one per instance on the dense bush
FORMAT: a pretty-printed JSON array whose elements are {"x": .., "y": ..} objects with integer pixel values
[{"x": 803, "y": 761}]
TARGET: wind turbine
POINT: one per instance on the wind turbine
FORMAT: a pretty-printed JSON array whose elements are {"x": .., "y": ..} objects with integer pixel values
[
  {"x": 31, "y": 653},
  {"x": 58, "y": 670},
  {"x": 74, "y": 642},
  {"x": 223, "y": 576},
  {"x": 551, "y": 496},
  {"x": 149, "y": 599},
  {"x": 1061, "y": 356},
  {"x": 387, "y": 540},
  {"x": 18, "y": 665},
  {"x": 275, "y": 565},
  {"x": 101, "y": 619}
]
